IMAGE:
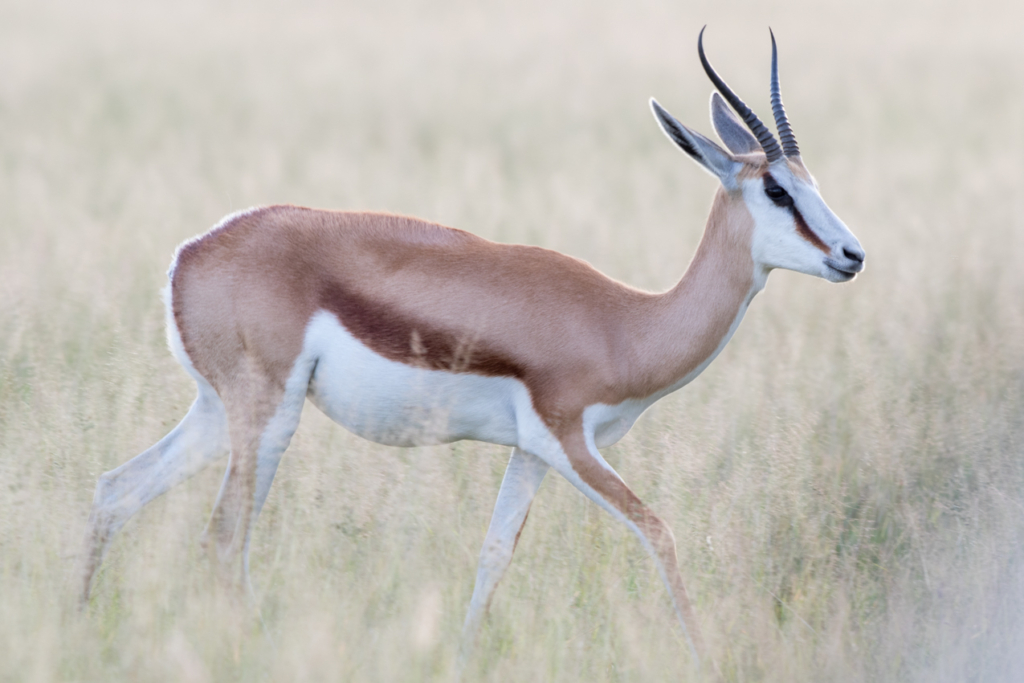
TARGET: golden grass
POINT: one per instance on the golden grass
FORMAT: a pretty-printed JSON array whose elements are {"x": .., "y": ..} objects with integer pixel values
[{"x": 846, "y": 482}]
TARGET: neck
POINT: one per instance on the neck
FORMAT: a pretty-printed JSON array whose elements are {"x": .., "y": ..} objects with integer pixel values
[{"x": 689, "y": 325}]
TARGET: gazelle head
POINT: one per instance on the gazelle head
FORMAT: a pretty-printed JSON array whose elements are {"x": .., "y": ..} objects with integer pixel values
[{"x": 793, "y": 227}]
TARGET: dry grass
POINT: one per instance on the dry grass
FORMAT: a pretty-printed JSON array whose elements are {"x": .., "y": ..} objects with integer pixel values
[{"x": 846, "y": 482}]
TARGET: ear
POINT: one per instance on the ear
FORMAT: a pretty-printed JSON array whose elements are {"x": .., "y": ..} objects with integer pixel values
[
  {"x": 733, "y": 133},
  {"x": 713, "y": 158}
]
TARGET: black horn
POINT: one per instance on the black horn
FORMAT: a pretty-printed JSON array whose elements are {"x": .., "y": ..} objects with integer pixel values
[
  {"x": 760, "y": 131},
  {"x": 789, "y": 146}
]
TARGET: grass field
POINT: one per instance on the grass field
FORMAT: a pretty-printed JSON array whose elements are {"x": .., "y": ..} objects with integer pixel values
[{"x": 846, "y": 481}]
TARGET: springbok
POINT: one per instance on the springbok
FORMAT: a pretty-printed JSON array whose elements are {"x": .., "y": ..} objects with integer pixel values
[{"x": 408, "y": 333}]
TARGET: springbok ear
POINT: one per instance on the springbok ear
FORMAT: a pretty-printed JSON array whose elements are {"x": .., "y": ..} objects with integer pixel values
[
  {"x": 733, "y": 133},
  {"x": 713, "y": 158}
]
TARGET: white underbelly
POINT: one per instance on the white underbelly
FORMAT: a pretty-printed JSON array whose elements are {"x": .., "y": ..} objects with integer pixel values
[{"x": 401, "y": 405}]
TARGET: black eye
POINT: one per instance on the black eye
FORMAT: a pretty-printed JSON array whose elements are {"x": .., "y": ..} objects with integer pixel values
[{"x": 778, "y": 195}]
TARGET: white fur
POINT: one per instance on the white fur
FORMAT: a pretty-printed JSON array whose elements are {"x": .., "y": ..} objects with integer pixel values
[
  {"x": 523, "y": 477},
  {"x": 401, "y": 405},
  {"x": 776, "y": 243}
]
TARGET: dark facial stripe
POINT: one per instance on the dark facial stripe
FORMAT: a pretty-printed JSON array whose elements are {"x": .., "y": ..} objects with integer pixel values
[
  {"x": 804, "y": 231},
  {"x": 406, "y": 340},
  {"x": 784, "y": 200}
]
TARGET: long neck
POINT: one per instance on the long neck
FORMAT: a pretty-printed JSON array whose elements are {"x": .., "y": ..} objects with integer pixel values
[{"x": 686, "y": 327}]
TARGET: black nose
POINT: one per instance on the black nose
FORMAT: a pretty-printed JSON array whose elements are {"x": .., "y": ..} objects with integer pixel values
[{"x": 857, "y": 256}]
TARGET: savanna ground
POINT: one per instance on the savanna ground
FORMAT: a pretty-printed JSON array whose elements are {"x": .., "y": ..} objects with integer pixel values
[{"x": 846, "y": 481}]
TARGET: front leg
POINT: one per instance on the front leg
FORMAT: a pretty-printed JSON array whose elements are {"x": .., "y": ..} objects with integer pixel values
[
  {"x": 522, "y": 478},
  {"x": 582, "y": 464}
]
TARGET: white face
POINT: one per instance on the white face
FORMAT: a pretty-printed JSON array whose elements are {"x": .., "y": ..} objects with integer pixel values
[{"x": 794, "y": 228}]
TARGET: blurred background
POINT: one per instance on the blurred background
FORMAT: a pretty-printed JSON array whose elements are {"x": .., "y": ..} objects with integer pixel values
[{"x": 846, "y": 481}]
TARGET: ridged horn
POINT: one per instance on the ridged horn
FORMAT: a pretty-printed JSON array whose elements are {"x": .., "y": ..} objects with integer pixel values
[
  {"x": 764, "y": 136},
  {"x": 789, "y": 146}
]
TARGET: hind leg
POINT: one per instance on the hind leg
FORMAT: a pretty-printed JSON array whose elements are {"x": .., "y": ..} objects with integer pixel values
[
  {"x": 262, "y": 420},
  {"x": 199, "y": 439},
  {"x": 523, "y": 477}
]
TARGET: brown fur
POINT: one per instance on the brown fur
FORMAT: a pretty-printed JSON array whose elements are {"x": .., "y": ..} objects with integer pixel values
[
  {"x": 754, "y": 165},
  {"x": 440, "y": 298},
  {"x": 796, "y": 164},
  {"x": 409, "y": 339},
  {"x": 423, "y": 294}
]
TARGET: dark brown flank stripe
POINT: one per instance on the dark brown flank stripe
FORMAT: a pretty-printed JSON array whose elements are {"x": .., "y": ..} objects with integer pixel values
[
  {"x": 403, "y": 339},
  {"x": 804, "y": 231}
]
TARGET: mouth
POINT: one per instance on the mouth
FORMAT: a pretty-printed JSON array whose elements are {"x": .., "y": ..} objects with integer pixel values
[{"x": 843, "y": 271}]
